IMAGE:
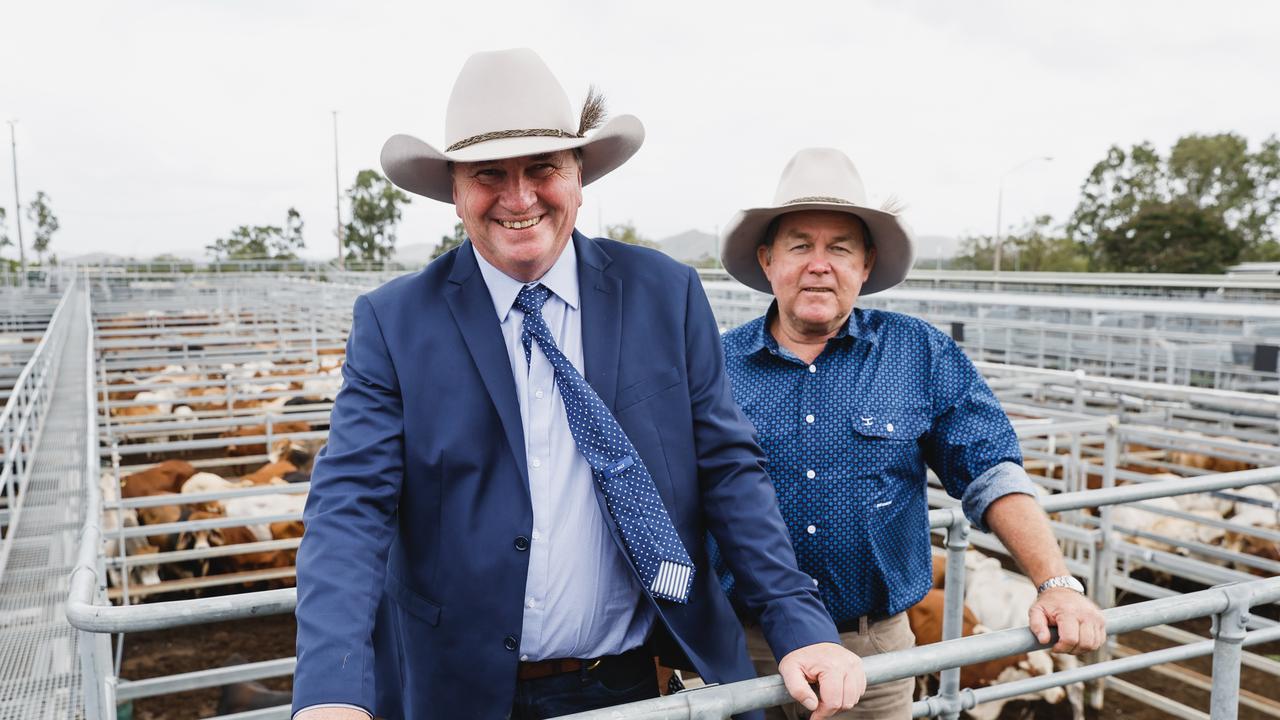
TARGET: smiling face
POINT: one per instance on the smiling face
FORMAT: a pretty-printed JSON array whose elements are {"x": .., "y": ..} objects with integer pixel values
[
  {"x": 816, "y": 265},
  {"x": 519, "y": 212}
]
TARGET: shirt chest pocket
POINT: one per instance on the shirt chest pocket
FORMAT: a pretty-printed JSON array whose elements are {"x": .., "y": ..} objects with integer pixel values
[
  {"x": 890, "y": 424},
  {"x": 886, "y": 448}
]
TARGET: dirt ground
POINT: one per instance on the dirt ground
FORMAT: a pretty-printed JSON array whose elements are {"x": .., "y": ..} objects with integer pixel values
[
  {"x": 165, "y": 652},
  {"x": 179, "y": 650}
]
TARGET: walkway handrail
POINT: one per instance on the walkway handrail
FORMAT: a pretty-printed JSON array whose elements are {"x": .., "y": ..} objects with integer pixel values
[
  {"x": 28, "y": 398},
  {"x": 721, "y": 701},
  {"x": 85, "y": 615}
]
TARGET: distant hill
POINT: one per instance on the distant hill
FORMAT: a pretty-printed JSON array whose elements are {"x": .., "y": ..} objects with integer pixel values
[
  {"x": 415, "y": 254},
  {"x": 97, "y": 258},
  {"x": 690, "y": 245}
]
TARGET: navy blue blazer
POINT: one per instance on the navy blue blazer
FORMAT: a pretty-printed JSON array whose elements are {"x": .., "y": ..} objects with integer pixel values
[{"x": 411, "y": 574}]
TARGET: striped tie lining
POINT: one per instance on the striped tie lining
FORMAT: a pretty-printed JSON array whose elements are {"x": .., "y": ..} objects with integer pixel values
[{"x": 672, "y": 581}]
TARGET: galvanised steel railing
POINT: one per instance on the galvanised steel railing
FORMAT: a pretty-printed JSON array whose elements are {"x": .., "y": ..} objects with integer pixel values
[
  {"x": 22, "y": 422},
  {"x": 88, "y": 581}
]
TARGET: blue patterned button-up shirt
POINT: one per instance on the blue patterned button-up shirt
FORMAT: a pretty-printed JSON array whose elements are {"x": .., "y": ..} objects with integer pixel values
[{"x": 848, "y": 437}]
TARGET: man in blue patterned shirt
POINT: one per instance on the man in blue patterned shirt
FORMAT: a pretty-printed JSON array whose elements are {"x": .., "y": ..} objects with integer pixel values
[{"x": 851, "y": 405}]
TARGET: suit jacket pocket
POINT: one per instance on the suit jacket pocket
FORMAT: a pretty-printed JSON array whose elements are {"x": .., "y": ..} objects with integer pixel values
[
  {"x": 412, "y": 602},
  {"x": 646, "y": 388}
]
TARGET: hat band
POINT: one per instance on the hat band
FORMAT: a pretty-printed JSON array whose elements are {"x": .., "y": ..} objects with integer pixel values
[
  {"x": 818, "y": 198},
  {"x": 502, "y": 134}
]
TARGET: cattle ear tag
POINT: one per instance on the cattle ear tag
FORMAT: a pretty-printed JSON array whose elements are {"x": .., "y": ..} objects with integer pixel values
[
  {"x": 866, "y": 421},
  {"x": 615, "y": 469}
]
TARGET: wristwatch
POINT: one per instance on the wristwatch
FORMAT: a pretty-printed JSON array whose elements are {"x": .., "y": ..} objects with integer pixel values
[{"x": 1062, "y": 581}]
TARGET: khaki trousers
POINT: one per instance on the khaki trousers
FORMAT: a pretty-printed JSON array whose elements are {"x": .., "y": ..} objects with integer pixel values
[{"x": 887, "y": 701}]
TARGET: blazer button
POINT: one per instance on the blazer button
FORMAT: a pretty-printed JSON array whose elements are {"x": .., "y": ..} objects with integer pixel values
[
  {"x": 522, "y": 543},
  {"x": 510, "y": 643}
]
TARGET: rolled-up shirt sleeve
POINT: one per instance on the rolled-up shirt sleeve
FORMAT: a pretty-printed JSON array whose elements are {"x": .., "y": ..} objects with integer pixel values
[
  {"x": 334, "y": 705},
  {"x": 1006, "y": 478}
]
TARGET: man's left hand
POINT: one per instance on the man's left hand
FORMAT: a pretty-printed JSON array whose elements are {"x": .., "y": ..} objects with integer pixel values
[
  {"x": 836, "y": 671},
  {"x": 1081, "y": 627}
]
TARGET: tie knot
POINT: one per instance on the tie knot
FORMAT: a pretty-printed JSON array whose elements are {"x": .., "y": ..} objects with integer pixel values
[{"x": 532, "y": 298}]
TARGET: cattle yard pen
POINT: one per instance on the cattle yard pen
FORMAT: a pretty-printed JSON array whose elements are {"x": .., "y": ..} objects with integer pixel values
[{"x": 122, "y": 351}]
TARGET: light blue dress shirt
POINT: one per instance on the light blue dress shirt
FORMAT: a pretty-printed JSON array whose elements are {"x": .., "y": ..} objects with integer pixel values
[{"x": 581, "y": 600}]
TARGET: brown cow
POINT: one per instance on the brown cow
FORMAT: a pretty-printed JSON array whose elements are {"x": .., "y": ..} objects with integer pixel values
[
  {"x": 242, "y": 562},
  {"x": 258, "y": 448},
  {"x": 926, "y": 623},
  {"x": 168, "y": 476},
  {"x": 271, "y": 471}
]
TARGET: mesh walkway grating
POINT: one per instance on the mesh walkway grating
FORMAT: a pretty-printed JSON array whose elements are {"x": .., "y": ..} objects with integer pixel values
[{"x": 39, "y": 665}]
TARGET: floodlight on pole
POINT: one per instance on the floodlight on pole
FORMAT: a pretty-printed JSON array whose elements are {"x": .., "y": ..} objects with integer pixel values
[
  {"x": 1000, "y": 205},
  {"x": 337, "y": 188},
  {"x": 17, "y": 206}
]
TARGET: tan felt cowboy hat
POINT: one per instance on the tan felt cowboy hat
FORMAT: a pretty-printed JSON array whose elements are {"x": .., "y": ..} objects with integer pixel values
[
  {"x": 818, "y": 179},
  {"x": 507, "y": 104}
]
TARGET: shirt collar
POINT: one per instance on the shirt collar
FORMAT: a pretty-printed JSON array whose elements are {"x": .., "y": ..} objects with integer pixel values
[
  {"x": 561, "y": 280},
  {"x": 857, "y": 327}
]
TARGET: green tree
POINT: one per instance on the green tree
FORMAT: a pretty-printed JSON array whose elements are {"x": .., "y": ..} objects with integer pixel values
[
  {"x": 449, "y": 242},
  {"x": 626, "y": 232},
  {"x": 1214, "y": 174},
  {"x": 375, "y": 212},
  {"x": 244, "y": 243},
  {"x": 4, "y": 230},
  {"x": 1176, "y": 237},
  {"x": 259, "y": 242},
  {"x": 285, "y": 244},
  {"x": 46, "y": 224},
  {"x": 1035, "y": 248}
]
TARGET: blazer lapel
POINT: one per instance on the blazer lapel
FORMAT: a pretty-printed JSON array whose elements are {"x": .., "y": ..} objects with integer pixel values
[
  {"x": 472, "y": 307},
  {"x": 601, "y": 318}
]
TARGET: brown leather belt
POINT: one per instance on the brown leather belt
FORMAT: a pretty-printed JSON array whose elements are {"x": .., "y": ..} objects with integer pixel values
[{"x": 554, "y": 666}]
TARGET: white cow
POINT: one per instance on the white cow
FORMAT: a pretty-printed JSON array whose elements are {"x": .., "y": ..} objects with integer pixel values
[
  {"x": 262, "y": 506},
  {"x": 1000, "y": 600},
  {"x": 112, "y": 520}
]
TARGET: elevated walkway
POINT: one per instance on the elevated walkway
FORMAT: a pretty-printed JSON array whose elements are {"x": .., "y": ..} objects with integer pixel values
[{"x": 40, "y": 675}]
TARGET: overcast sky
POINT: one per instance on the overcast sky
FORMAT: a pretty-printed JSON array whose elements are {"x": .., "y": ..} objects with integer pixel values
[{"x": 158, "y": 126}]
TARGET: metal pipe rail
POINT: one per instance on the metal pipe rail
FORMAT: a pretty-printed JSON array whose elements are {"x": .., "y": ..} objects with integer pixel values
[
  {"x": 22, "y": 421},
  {"x": 84, "y": 615},
  {"x": 1232, "y": 603},
  {"x": 92, "y": 617}
]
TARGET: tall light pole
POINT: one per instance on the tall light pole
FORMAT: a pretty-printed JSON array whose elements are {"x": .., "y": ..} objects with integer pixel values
[
  {"x": 1000, "y": 205},
  {"x": 337, "y": 191},
  {"x": 17, "y": 206}
]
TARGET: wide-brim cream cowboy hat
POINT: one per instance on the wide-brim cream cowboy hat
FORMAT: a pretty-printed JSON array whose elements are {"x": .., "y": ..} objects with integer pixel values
[
  {"x": 507, "y": 104},
  {"x": 818, "y": 179}
]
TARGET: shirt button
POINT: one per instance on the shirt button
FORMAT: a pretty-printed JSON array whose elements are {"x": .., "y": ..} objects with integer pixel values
[
  {"x": 525, "y": 658},
  {"x": 813, "y": 368},
  {"x": 509, "y": 642},
  {"x": 522, "y": 543},
  {"x": 808, "y": 419},
  {"x": 538, "y": 394},
  {"x": 530, "y": 602},
  {"x": 537, "y": 535},
  {"x": 811, "y": 474},
  {"x": 811, "y": 529},
  {"x": 535, "y": 462},
  {"x": 815, "y": 582},
  {"x": 889, "y": 427}
]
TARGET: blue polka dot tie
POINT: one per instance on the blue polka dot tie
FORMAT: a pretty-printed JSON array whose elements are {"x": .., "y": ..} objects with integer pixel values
[{"x": 629, "y": 492}]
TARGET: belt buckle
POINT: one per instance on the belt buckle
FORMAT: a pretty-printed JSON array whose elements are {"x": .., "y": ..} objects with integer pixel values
[{"x": 593, "y": 664}]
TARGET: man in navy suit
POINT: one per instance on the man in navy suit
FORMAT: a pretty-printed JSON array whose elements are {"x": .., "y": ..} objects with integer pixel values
[{"x": 489, "y": 535}]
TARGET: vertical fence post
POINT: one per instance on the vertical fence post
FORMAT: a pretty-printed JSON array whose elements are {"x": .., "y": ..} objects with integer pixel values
[
  {"x": 1228, "y": 641},
  {"x": 1103, "y": 559},
  {"x": 953, "y": 606}
]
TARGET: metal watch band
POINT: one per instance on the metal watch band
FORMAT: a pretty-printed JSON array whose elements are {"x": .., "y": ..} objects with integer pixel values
[{"x": 1062, "y": 581}]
